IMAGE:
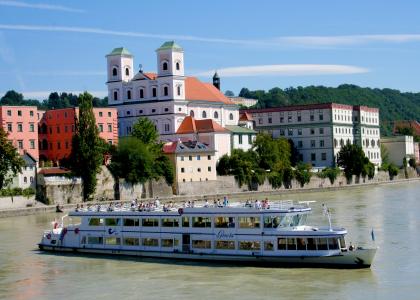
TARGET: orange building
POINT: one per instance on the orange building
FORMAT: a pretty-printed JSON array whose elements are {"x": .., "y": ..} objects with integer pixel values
[
  {"x": 21, "y": 124},
  {"x": 57, "y": 127}
]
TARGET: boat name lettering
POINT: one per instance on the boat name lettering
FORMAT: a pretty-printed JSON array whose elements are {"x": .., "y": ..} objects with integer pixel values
[{"x": 224, "y": 235}]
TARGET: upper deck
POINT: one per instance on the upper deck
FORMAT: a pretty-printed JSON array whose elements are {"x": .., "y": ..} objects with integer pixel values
[{"x": 238, "y": 208}]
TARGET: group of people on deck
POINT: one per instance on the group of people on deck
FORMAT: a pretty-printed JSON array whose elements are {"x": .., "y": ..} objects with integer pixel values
[{"x": 264, "y": 204}]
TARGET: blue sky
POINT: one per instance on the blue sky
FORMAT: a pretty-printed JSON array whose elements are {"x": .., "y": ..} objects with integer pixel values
[{"x": 61, "y": 45}]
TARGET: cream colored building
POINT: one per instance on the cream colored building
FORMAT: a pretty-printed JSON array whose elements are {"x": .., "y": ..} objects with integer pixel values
[
  {"x": 193, "y": 161},
  {"x": 399, "y": 147}
]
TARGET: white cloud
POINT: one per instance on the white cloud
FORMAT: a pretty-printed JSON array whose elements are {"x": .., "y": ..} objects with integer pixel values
[
  {"x": 41, "y": 6},
  {"x": 41, "y": 95},
  {"x": 286, "y": 70}
]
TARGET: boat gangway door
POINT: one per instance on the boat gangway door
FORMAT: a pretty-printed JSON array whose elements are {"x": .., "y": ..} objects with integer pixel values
[{"x": 186, "y": 243}]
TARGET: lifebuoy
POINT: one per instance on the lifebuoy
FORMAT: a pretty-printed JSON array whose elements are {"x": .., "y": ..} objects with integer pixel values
[
  {"x": 76, "y": 230},
  {"x": 49, "y": 236},
  {"x": 180, "y": 210}
]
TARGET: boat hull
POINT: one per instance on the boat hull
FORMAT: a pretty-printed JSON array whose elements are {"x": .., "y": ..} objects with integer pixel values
[{"x": 359, "y": 258}]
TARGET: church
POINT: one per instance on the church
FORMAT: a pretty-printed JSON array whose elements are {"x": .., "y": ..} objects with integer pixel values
[{"x": 167, "y": 97}]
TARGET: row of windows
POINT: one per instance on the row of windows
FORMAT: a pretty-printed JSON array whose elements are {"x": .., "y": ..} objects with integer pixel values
[
  {"x": 20, "y": 144},
  {"x": 314, "y": 156},
  {"x": 19, "y": 113},
  {"x": 312, "y": 144},
  {"x": 152, "y": 111},
  {"x": 240, "y": 138},
  {"x": 283, "y": 243},
  {"x": 370, "y": 131},
  {"x": 190, "y": 170},
  {"x": 66, "y": 115},
  {"x": 20, "y": 127},
  {"x": 299, "y": 131},
  {"x": 203, "y": 221},
  {"x": 290, "y": 118},
  {"x": 365, "y": 142},
  {"x": 198, "y": 157},
  {"x": 215, "y": 115},
  {"x": 373, "y": 155},
  {"x": 143, "y": 94},
  {"x": 31, "y": 179}
]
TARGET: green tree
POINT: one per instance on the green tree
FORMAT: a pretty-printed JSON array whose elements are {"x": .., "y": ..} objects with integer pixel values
[
  {"x": 145, "y": 131},
  {"x": 11, "y": 163},
  {"x": 412, "y": 162},
  {"x": 86, "y": 155},
  {"x": 392, "y": 171},
  {"x": 303, "y": 173},
  {"x": 229, "y": 93},
  {"x": 223, "y": 165},
  {"x": 352, "y": 159},
  {"x": 330, "y": 173}
]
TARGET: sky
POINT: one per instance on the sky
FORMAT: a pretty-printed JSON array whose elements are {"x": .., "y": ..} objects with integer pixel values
[{"x": 60, "y": 46}]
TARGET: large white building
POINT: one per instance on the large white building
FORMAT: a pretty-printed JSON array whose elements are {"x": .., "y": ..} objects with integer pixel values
[
  {"x": 165, "y": 97},
  {"x": 320, "y": 130}
]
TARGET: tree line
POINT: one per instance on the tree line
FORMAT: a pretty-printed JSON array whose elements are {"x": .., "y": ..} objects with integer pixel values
[
  {"x": 54, "y": 101},
  {"x": 393, "y": 104}
]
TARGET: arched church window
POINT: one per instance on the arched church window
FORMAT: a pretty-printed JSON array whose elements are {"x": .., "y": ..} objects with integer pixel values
[
  {"x": 216, "y": 115},
  {"x": 141, "y": 93},
  {"x": 165, "y": 91},
  {"x": 165, "y": 66},
  {"x": 115, "y": 95},
  {"x": 192, "y": 113},
  {"x": 127, "y": 72},
  {"x": 230, "y": 116},
  {"x": 129, "y": 95},
  {"x": 114, "y": 71},
  {"x": 204, "y": 115},
  {"x": 177, "y": 66},
  {"x": 154, "y": 92}
]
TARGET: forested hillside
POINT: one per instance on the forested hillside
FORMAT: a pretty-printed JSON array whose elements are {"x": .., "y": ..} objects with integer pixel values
[
  {"x": 54, "y": 101},
  {"x": 393, "y": 104}
]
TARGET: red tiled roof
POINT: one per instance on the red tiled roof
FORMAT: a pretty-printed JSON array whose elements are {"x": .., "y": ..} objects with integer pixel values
[
  {"x": 407, "y": 124},
  {"x": 151, "y": 76},
  {"x": 169, "y": 147},
  {"x": 245, "y": 117},
  {"x": 197, "y": 90},
  {"x": 191, "y": 125},
  {"x": 54, "y": 171}
]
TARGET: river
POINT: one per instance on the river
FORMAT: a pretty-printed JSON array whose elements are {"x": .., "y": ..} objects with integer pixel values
[{"x": 391, "y": 210}]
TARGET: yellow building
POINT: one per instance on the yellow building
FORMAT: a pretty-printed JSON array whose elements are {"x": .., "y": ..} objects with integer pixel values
[{"x": 193, "y": 161}]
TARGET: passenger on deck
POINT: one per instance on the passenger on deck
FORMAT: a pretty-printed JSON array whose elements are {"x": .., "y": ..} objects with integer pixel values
[
  {"x": 206, "y": 204},
  {"x": 77, "y": 207},
  {"x": 218, "y": 203}
]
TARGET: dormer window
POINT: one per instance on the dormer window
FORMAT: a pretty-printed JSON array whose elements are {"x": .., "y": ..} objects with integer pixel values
[
  {"x": 165, "y": 91},
  {"x": 177, "y": 66},
  {"x": 114, "y": 71},
  {"x": 127, "y": 71},
  {"x": 165, "y": 66}
]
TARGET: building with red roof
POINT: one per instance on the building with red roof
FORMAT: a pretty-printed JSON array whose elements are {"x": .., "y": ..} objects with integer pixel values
[{"x": 165, "y": 97}]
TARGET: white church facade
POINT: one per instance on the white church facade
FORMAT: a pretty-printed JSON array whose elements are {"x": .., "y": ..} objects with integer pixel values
[{"x": 165, "y": 97}]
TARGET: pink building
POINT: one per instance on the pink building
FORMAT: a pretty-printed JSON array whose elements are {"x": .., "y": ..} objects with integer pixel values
[{"x": 21, "y": 124}]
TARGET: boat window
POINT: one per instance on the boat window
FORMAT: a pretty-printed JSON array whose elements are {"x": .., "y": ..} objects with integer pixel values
[
  {"x": 249, "y": 245},
  {"x": 311, "y": 245},
  {"x": 112, "y": 222},
  {"x": 227, "y": 245},
  {"x": 286, "y": 221},
  {"x": 201, "y": 222},
  {"x": 322, "y": 244},
  {"x": 130, "y": 241},
  {"x": 272, "y": 222},
  {"x": 95, "y": 240},
  {"x": 268, "y": 246},
  {"x": 249, "y": 222},
  {"x": 333, "y": 243},
  {"x": 342, "y": 242},
  {"x": 185, "y": 222},
  {"x": 170, "y": 222},
  {"x": 201, "y": 244},
  {"x": 167, "y": 243},
  {"x": 83, "y": 241},
  {"x": 150, "y": 222},
  {"x": 291, "y": 244},
  {"x": 149, "y": 242},
  {"x": 281, "y": 243},
  {"x": 301, "y": 243},
  {"x": 96, "y": 222},
  {"x": 131, "y": 222},
  {"x": 112, "y": 241},
  {"x": 224, "y": 222}
]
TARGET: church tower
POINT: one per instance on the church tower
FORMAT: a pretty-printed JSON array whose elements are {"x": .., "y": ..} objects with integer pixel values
[
  {"x": 119, "y": 65},
  {"x": 216, "y": 80}
]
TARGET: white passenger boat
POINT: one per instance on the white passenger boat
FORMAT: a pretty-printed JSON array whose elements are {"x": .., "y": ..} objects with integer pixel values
[{"x": 274, "y": 234}]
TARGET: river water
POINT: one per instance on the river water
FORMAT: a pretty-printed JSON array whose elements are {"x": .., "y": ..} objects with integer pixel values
[{"x": 391, "y": 210}]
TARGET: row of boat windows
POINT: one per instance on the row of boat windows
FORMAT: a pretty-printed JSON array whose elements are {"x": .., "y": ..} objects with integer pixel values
[
  {"x": 290, "y": 243},
  {"x": 203, "y": 222}
]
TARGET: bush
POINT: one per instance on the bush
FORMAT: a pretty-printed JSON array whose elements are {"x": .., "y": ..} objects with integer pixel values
[
  {"x": 412, "y": 162},
  {"x": 392, "y": 171},
  {"x": 330, "y": 173},
  {"x": 303, "y": 173}
]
